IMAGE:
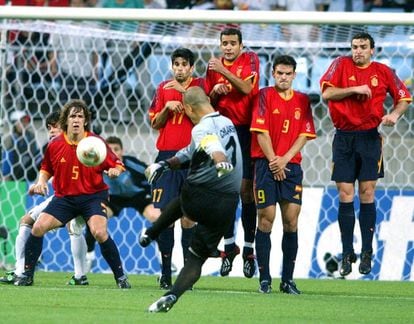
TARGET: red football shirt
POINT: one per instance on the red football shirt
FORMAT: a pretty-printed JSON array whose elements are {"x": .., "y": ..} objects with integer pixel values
[
  {"x": 176, "y": 133},
  {"x": 283, "y": 119},
  {"x": 354, "y": 113},
  {"x": 235, "y": 105},
  {"x": 70, "y": 177}
]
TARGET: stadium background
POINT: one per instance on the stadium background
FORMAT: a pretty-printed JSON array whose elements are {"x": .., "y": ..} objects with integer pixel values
[{"x": 121, "y": 107}]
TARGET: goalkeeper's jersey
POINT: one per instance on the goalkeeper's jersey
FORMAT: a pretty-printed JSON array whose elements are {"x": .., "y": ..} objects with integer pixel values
[{"x": 202, "y": 168}]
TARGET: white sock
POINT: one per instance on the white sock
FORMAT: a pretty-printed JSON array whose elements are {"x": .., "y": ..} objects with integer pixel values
[
  {"x": 78, "y": 248},
  {"x": 21, "y": 239}
]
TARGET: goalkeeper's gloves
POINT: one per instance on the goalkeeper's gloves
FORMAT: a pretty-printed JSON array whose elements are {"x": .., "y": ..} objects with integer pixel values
[
  {"x": 223, "y": 168},
  {"x": 155, "y": 170}
]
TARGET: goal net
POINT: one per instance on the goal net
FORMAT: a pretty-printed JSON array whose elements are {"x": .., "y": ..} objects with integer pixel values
[{"x": 115, "y": 66}]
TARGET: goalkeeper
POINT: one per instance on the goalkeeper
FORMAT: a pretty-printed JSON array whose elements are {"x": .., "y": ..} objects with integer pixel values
[{"x": 210, "y": 193}]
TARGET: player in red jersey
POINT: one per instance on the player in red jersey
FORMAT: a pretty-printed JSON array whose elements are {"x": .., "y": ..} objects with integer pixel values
[
  {"x": 231, "y": 82},
  {"x": 168, "y": 117},
  {"x": 356, "y": 88},
  {"x": 79, "y": 190},
  {"x": 282, "y": 123}
]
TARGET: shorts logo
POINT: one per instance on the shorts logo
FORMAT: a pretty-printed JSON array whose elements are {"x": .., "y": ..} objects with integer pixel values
[
  {"x": 374, "y": 81},
  {"x": 298, "y": 188}
]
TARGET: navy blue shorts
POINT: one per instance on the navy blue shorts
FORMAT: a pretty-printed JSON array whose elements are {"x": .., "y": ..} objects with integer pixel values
[
  {"x": 66, "y": 208},
  {"x": 245, "y": 139},
  {"x": 138, "y": 201},
  {"x": 168, "y": 186},
  {"x": 268, "y": 191},
  {"x": 357, "y": 155}
]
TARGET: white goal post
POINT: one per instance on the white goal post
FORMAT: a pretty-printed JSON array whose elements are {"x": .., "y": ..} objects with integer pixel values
[{"x": 121, "y": 98}]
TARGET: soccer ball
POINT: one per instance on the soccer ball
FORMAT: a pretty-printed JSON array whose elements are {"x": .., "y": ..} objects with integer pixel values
[{"x": 91, "y": 151}]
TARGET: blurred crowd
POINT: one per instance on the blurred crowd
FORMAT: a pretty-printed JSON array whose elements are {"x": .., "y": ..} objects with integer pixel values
[{"x": 293, "y": 5}]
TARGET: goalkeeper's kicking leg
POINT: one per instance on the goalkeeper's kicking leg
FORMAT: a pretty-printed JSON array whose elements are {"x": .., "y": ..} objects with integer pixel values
[{"x": 213, "y": 213}]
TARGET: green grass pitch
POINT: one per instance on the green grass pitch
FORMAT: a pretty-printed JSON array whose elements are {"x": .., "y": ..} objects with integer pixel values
[{"x": 213, "y": 300}]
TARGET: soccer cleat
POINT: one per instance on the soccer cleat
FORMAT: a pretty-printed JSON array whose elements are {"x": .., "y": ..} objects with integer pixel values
[
  {"x": 8, "y": 278},
  {"x": 265, "y": 287},
  {"x": 144, "y": 239},
  {"x": 365, "y": 264},
  {"x": 82, "y": 281},
  {"x": 165, "y": 282},
  {"x": 123, "y": 283},
  {"x": 23, "y": 281},
  {"x": 289, "y": 287},
  {"x": 163, "y": 305},
  {"x": 249, "y": 265},
  {"x": 227, "y": 261},
  {"x": 346, "y": 266}
]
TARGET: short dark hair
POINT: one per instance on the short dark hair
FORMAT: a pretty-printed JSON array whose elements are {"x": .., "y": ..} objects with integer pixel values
[
  {"x": 232, "y": 31},
  {"x": 79, "y": 105},
  {"x": 364, "y": 36},
  {"x": 115, "y": 140},
  {"x": 285, "y": 60},
  {"x": 184, "y": 53},
  {"x": 52, "y": 118}
]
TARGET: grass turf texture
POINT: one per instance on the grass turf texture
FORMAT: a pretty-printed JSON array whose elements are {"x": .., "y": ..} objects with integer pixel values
[{"x": 213, "y": 300}]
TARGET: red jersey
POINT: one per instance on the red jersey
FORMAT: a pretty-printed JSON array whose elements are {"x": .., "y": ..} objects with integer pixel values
[
  {"x": 236, "y": 105},
  {"x": 70, "y": 177},
  {"x": 176, "y": 133},
  {"x": 284, "y": 119},
  {"x": 352, "y": 113}
]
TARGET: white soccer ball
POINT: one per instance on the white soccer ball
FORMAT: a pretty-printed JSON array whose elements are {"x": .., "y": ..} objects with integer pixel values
[{"x": 91, "y": 151}]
